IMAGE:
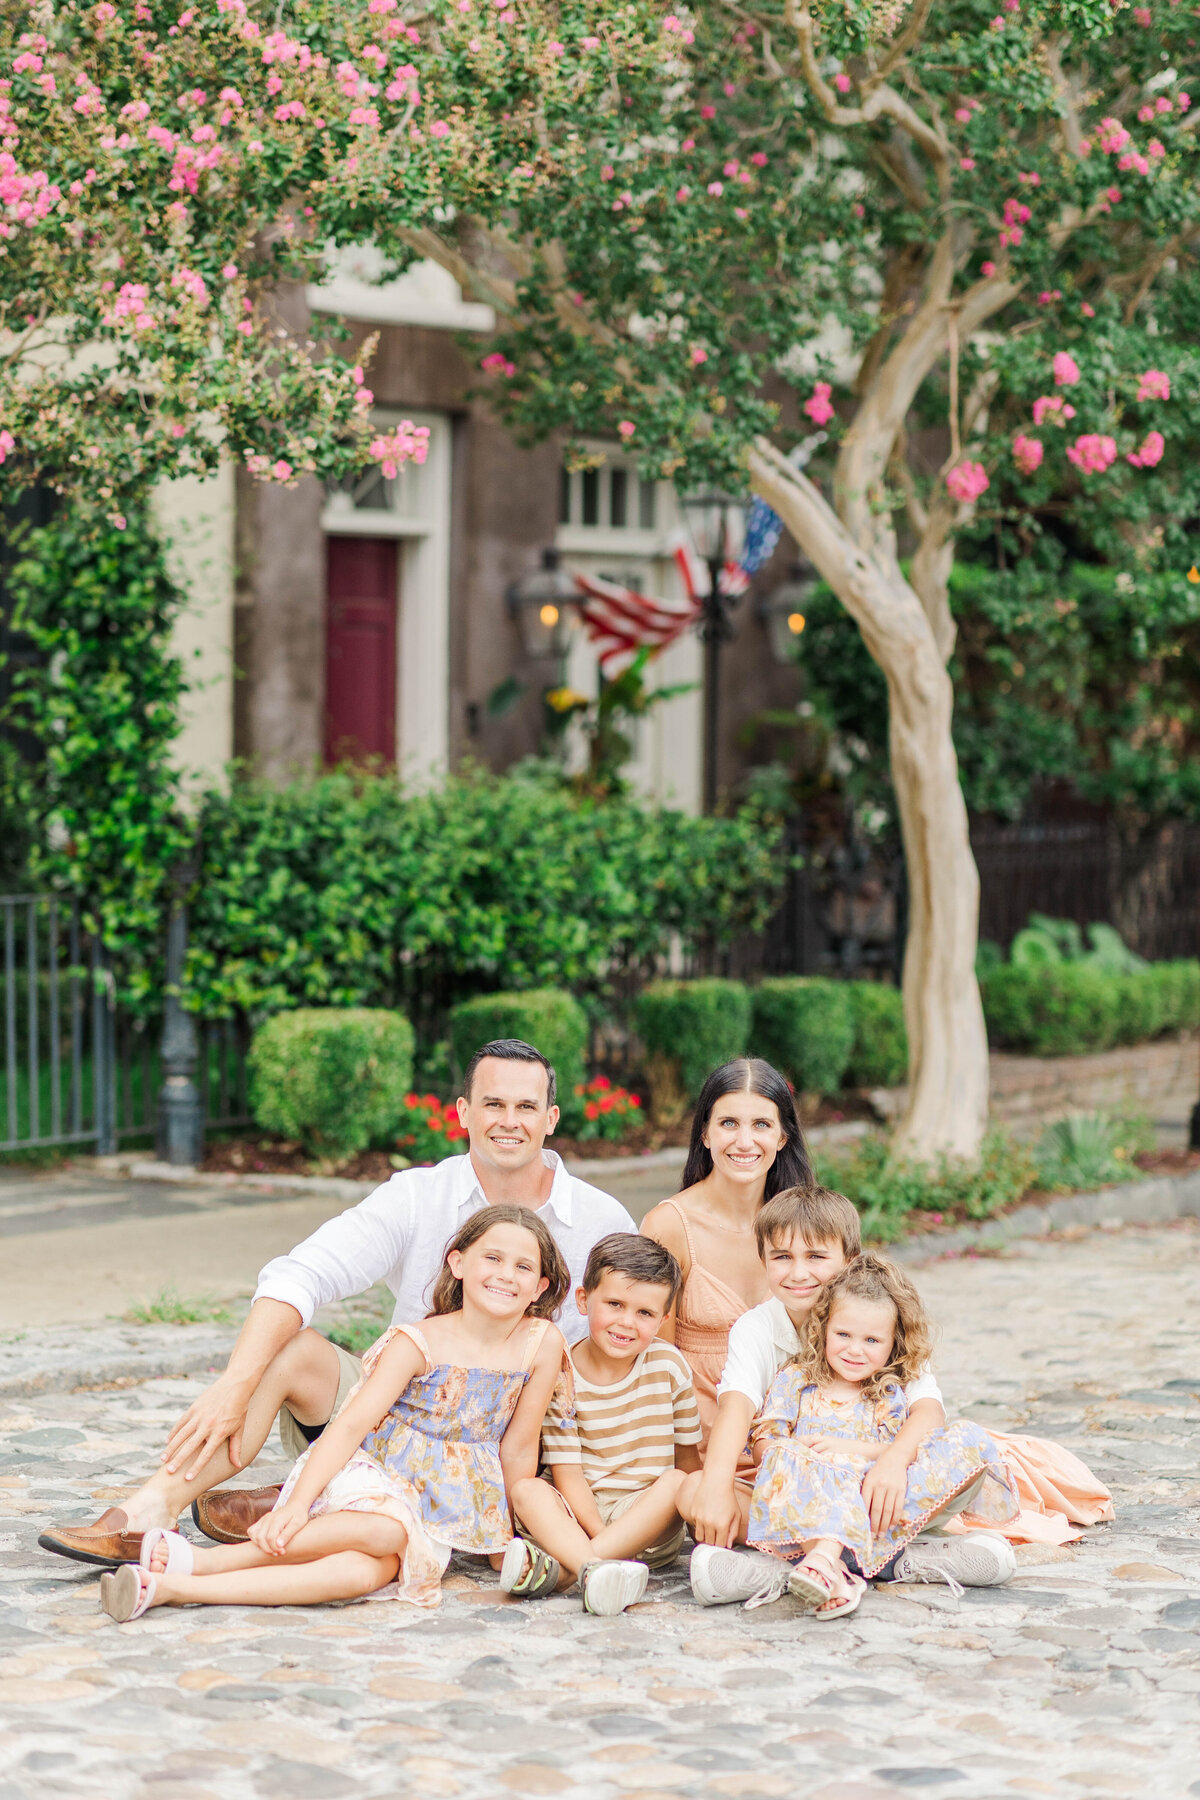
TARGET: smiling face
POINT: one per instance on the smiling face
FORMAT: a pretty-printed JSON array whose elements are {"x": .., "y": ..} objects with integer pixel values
[
  {"x": 506, "y": 1113},
  {"x": 744, "y": 1136},
  {"x": 623, "y": 1314},
  {"x": 797, "y": 1271},
  {"x": 859, "y": 1338},
  {"x": 501, "y": 1271}
]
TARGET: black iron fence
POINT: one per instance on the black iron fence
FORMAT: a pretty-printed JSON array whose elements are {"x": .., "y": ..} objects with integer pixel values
[{"x": 78, "y": 1068}]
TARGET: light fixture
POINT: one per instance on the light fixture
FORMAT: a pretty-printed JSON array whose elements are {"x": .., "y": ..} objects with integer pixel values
[
  {"x": 711, "y": 519},
  {"x": 543, "y": 604},
  {"x": 784, "y": 611}
]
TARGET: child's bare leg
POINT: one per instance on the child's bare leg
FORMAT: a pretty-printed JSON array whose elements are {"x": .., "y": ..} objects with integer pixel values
[
  {"x": 545, "y": 1519},
  {"x": 343, "y": 1576},
  {"x": 375, "y": 1533},
  {"x": 648, "y": 1520},
  {"x": 685, "y": 1505}
]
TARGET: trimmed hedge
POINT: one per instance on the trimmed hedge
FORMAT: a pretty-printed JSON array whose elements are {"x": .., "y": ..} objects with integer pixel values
[
  {"x": 549, "y": 1018},
  {"x": 332, "y": 1078},
  {"x": 880, "y": 1054},
  {"x": 806, "y": 1027},
  {"x": 696, "y": 1025},
  {"x": 1069, "y": 1009}
]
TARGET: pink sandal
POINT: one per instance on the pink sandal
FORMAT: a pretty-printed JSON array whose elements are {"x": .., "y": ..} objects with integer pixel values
[
  {"x": 126, "y": 1593},
  {"x": 829, "y": 1590}
]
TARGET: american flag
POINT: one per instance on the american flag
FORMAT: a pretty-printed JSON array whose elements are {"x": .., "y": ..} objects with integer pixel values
[{"x": 620, "y": 621}]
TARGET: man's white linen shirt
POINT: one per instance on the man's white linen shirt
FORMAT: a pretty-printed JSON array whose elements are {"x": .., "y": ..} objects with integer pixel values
[
  {"x": 763, "y": 1339},
  {"x": 399, "y": 1234}
]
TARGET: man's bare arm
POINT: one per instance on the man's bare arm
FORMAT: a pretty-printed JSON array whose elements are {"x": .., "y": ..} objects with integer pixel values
[{"x": 219, "y": 1414}]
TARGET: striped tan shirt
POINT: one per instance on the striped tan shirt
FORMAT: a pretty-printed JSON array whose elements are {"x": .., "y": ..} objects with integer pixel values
[{"x": 623, "y": 1437}]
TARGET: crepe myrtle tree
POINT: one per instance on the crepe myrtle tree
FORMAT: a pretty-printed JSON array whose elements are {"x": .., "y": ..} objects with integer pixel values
[{"x": 955, "y": 217}]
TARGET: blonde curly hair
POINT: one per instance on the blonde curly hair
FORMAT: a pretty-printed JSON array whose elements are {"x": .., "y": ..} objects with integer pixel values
[{"x": 873, "y": 1278}]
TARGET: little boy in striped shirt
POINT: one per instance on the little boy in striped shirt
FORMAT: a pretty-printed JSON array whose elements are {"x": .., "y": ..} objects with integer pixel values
[{"x": 617, "y": 1460}]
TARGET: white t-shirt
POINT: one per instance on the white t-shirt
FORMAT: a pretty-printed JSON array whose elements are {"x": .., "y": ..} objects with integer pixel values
[{"x": 763, "y": 1339}]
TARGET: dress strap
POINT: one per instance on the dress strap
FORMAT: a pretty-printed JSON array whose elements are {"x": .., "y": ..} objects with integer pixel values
[
  {"x": 687, "y": 1236},
  {"x": 533, "y": 1342},
  {"x": 418, "y": 1337}
]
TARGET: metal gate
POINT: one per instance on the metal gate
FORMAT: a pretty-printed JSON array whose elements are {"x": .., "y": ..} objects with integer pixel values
[{"x": 77, "y": 1068}]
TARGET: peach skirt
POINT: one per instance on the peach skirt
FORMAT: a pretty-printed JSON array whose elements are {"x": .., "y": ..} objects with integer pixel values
[{"x": 1058, "y": 1493}]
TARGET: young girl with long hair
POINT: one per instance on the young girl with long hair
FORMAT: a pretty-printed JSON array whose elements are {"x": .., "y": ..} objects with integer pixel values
[
  {"x": 831, "y": 1412},
  {"x": 416, "y": 1463}
]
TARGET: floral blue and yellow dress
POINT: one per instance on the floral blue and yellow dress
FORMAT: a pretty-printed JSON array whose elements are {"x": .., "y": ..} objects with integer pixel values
[
  {"x": 799, "y": 1495},
  {"x": 433, "y": 1463}
]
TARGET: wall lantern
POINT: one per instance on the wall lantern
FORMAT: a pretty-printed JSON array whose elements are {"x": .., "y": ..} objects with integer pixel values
[
  {"x": 783, "y": 612},
  {"x": 544, "y": 605}
]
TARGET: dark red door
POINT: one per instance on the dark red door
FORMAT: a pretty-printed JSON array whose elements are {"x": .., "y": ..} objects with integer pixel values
[{"x": 360, "y": 649}]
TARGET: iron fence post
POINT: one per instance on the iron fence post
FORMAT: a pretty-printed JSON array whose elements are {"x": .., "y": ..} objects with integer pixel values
[
  {"x": 180, "y": 1109},
  {"x": 104, "y": 1058}
]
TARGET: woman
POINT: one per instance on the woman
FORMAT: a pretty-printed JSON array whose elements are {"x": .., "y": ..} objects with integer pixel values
[{"x": 746, "y": 1147}]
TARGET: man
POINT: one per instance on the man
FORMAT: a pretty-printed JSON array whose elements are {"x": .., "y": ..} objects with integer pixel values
[{"x": 281, "y": 1368}]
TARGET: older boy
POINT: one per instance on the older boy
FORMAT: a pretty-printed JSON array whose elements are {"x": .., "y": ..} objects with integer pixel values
[
  {"x": 617, "y": 1460},
  {"x": 805, "y": 1236}
]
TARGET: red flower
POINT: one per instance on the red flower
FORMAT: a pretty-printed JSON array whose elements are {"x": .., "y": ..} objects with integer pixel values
[
  {"x": 591, "y": 1110},
  {"x": 633, "y": 1100}
]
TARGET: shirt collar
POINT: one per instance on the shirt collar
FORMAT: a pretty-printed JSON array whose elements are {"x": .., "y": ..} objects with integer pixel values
[
  {"x": 561, "y": 1198},
  {"x": 784, "y": 1335}
]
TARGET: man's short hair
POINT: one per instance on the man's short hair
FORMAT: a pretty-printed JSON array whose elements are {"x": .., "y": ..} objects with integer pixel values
[
  {"x": 641, "y": 1258},
  {"x": 818, "y": 1214},
  {"x": 511, "y": 1050}
]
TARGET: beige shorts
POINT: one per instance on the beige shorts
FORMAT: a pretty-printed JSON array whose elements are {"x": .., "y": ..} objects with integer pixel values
[
  {"x": 292, "y": 1435},
  {"x": 614, "y": 1506}
]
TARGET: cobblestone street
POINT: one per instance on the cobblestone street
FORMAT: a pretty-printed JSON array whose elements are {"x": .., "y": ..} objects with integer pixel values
[{"x": 1082, "y": 1677}]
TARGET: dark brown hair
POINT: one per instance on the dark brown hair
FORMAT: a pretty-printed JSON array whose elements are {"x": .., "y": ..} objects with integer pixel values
[
  {"x": 751, "y": 1075},
  {"x": 448, "y": 1289},
  {"x": 818, "y": 1214},
  {"x": 870, "y": 1277},
  {"x": 641, "y": 1258},
  {"x": 512, "y": 1050}
]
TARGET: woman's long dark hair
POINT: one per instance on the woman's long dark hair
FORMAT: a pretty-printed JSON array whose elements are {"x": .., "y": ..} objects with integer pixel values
[{"x": 751, "y": 1075}]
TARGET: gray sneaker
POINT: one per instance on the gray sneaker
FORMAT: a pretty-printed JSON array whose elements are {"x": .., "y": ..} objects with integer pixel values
[
  {"x": 725, "y": 1577},
  {"x": 977, "y": 1559},
  {"x": 609, "y": 1587}
]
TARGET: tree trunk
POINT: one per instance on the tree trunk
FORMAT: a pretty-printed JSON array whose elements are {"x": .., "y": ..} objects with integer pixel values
[{"x": 947, "y": 1041}]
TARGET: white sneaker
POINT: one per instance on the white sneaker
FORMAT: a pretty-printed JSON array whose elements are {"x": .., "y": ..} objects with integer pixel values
[
  {"x": 977, "y": 1559},
  {"x": 723, "y": 1577},
  {"x": 609, "y": 1587}
]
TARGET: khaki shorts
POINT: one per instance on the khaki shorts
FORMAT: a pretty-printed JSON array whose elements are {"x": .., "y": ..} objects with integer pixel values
[
  {"x": 295, "y": 1437},
  {"x": 614, "y": 1506}
]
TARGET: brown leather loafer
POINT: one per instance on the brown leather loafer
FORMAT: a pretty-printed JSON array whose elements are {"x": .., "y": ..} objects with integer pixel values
[
  {"x": 107, "y": 1542},
  {"x": 227, "y": 1514}
]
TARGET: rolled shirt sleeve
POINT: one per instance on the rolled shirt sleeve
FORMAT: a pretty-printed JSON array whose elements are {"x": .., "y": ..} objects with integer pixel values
[
  {"x": 343, "y": 1257},
  {"x": 752, "y": 1359}
]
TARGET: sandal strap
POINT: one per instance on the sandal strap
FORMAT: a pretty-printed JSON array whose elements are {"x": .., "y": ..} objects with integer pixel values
[{"x": 541, "y": 1574}]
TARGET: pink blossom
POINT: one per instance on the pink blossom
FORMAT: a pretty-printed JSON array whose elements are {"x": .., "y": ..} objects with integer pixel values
[
  {"x": 607, "y": 173},
  {"x": 731, "y": 168},
  {"x": 496, "y": 363},
  {"x": 439, "y": 129},
  {"x": 7, "y": 443},
  {"x": 1145, "y": 114},
  {"x": 1112, "y": 194},
  {"x": 1154, "y": 384},
  {"x": 625, "y": 429},
  {"x": 966, "y": 162},
  {"x": 1052, "y": 407},
  {"x": 967, "y": 481},
  {"x": 819, "y": 405},
  {"x": 1156, "y": 149},
  {"x": 282, "y": 471},
  {"x": 739, "y": 212},
  {"x": 1113, "y": 136},
  {"x": 1087, "y": 309},
  {"x": 1048, "y": 295},
  {"x": 591, "y": 43},
  {"x": 987, "y": 268},
  {"x": 1183, "y": 101},
  {"x": 407, "y": 443},
  {"x": 1141, "y": 16},
  {"x": 688, "y": 144},
  {"x": 699, "y": 355},
  {"x": 1163, "y": 105},
  {"x": 1066, "y": 369},
  {"x": 708, "y": 112},
  {"x": 842, "y": 83},
  {"x": 716, "y": 187},
  {"x": 963, "y": 115},
  {"x": 229, "y": 271},
  {"x": 682, "y": 193},
  {"x": 1027, "y": 453},
  {"x": 192, "y": 283},
  {"x": 557, "y": 49},
  {"x": 759, "y": 159},
  {"x": 1093, "y": 453},
  {"x": 1149, "y": 452}
]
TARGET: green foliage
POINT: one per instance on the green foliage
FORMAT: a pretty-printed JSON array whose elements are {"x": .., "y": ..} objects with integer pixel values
[
  {"x": 333, "y": 1079},
  {"x": 608, "y": 723},
  {"x": 1070, "y": 1008},
  {"x": 168, "y": 1308},
  {"x": 806, "y": 1028},
  {"x": 885, "y": 1191},
  {"x": 1089, "y": 1150},
  {"x": 345, "y": 891},
  {"x": 695, "y": 1025},
  {"x": 1045, "y": 941},
  {"x": 549, "y": 1018},
  {"x": 879, "y": 1057},
  {"x": 97, "y": 604},
  {"x": 609, "y": 1113}
]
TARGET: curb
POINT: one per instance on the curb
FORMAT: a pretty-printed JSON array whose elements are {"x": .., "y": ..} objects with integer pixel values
[
  {"x": 1153, "y": 1202},
  {"x": 91, "y": 1356},
  {"x": 336, "y": 1187}
]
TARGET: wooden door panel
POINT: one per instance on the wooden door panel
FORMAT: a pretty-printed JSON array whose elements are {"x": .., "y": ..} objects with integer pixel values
[{"x": 360, "y": 649}]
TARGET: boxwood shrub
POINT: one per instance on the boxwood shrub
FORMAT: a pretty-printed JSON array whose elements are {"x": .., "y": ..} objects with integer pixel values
[
  {"x": 694, "y": 1026},
  {"x": 879, "y": 1057},
  {"x": 806, "y": 1028},
  {"x": 332, "y": 1078},
  {"x": 549, "y": 1018},
  {"x": 1061, "y": 1009}
]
